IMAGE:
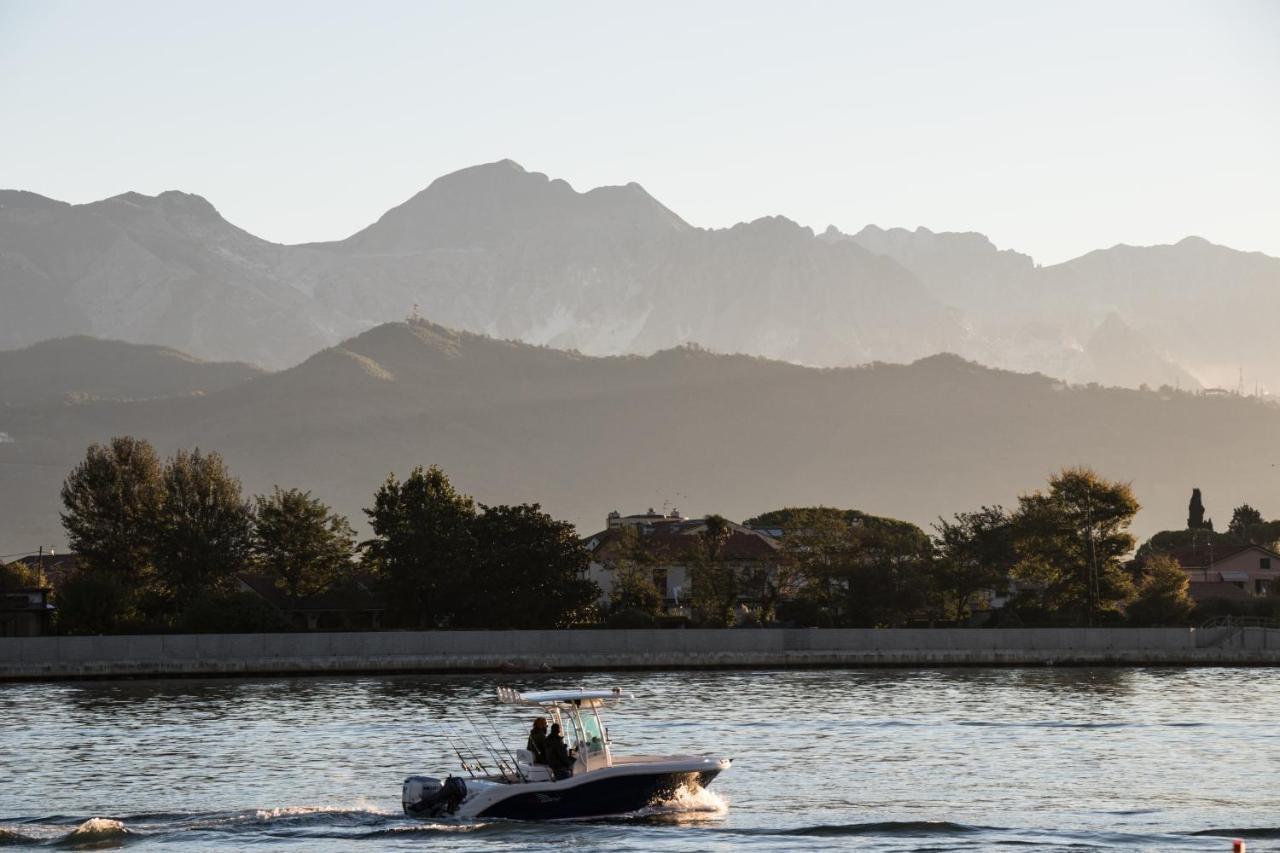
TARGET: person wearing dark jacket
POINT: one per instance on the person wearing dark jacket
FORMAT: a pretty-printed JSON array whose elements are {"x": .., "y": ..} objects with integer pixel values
[
  {"x": 538, "y": 741},
  {"x": 558, "y": 755}
]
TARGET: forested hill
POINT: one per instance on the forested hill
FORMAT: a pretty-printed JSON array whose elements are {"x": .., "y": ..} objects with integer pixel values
[
  {"x": 709, "y": 433},
  {"x": 83, "y": 368}
]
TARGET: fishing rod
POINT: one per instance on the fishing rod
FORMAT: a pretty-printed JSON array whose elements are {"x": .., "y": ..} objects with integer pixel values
[
  {"x": 458, "y": 752},
  {"x": 475, "y": 756},
  {"x": 493, "y": 753},
  {"x": 510, "y": 754}
]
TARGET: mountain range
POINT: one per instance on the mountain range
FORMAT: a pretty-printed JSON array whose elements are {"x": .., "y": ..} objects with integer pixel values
[
  {"x": 514, "y": 422},
  {"x": 498, "y": 250}
]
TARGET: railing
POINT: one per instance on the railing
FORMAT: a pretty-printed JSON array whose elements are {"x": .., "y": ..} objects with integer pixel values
[
  {"x": 1241, "y": 622},
  {"x": 1235, "y": 625}
]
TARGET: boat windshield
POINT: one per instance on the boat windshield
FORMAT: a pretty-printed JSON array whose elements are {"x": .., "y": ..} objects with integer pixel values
[{"x": 593, "y": 737}]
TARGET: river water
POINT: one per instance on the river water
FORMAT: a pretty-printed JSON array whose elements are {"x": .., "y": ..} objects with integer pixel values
[{"x": 896, "y": 760}]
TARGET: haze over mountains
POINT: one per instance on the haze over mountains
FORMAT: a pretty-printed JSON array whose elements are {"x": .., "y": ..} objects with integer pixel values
[
  {"x": 513, "y": 422},
  {"x": 512, "y": 254}
]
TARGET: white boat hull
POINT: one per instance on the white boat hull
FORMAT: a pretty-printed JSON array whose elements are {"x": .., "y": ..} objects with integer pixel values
[{"x": 627, "y": 786}]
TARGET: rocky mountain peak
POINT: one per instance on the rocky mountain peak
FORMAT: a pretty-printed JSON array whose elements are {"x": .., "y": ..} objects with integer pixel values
[{"x": 497, "y": 202}]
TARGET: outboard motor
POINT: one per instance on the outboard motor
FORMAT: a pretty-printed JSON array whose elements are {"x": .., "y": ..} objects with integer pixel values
[{"x": 425, "y": 796}]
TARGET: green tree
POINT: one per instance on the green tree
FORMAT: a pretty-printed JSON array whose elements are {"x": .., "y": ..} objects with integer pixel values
[
  {"x": 423, "y": 547},
  {"x": 1195, "y": 513},
  {"x": 1244, "y": 519},
  {"x": 110, "y": 502},
  {"x": 203, "y": 533},
  {"x": 884, "y": 575},
  {"x": 714, "y": 582},
  {"x": 634, "y": 588},
  {"x": 1070, "y": 542},
  {"x": 94, "y": 601},
  {"x": 1249, "y": 527},
  {"x": 771, "y": 582},
  {"x": 227, "y": 611},
  {"x": 21, "y": 575},
  {"x": 1168, "y": 541},
  {"x": 850, "y": 568},
  {"x": 300, "y": 542},
  {"x": 529, "y": 572},
  {"x": 814, "y": 545},
  {"x": 975, "y": 553},
  {"x": 1162, "y": 596}
]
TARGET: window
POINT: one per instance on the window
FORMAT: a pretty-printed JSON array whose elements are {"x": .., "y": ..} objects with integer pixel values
[
  {"x": 1264, "y": 562},
  {"x": 591, "y": 728}
]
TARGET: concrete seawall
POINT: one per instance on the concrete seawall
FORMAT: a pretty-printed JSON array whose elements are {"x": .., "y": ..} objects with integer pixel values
[{"x": 497, "y": 651}]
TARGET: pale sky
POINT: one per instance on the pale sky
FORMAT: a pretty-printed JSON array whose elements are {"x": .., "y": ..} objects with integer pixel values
[{"x": 1052, "y": 128}]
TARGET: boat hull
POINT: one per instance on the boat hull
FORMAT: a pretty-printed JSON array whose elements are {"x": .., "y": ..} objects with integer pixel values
[
  {"x": 596, "y": 798},
  {"x": 615, "y": 790}
]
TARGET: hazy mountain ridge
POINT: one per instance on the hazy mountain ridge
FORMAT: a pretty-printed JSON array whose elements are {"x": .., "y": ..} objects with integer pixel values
[
  {"x": 515, "y": 254},
  {"x": 708, "y": 432},
  {"x": 1016, "y": 322},
  {"x": 166, "y": 270},
  {"x": 81, "y": 368}
]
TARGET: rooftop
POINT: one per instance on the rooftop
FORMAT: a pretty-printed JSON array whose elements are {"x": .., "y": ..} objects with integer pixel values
[{"x": 1206, "y": 555}]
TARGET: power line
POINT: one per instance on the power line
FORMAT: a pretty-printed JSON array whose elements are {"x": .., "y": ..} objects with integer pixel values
[{"x": 34, "y": 552}]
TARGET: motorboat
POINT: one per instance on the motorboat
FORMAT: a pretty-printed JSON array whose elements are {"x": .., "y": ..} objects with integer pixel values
[{"x": 505, "y": 783}]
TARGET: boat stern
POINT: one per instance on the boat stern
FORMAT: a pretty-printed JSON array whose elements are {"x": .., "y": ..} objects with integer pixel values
[{"x": 427, "y": 796}]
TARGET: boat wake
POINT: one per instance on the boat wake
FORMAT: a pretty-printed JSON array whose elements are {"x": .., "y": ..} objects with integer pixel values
[
  {"x": 96, "y": 831},
  {"x": 324, "y": 826},
  {"x": 690, "y": 802}
]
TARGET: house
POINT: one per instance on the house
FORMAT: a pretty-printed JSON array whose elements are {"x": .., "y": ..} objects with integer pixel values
[
  {"x": 25, "y": 612},
  {"x": 667, "y": 543},
  {"x": 1229, "y": 571},
  {"x": 348, "y": 607}
]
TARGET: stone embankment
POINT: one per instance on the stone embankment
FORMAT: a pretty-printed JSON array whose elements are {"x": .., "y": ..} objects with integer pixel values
[{"x": 531, "y": 651}]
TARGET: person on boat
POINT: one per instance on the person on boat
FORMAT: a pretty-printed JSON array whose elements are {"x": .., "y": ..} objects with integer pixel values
[
  {"x": 538, "y": 741},
  {"x": 558, "y": 754}
]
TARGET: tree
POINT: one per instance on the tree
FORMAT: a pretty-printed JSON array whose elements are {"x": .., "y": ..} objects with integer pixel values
[
  {"x": 634, "y": 588},
  {"x": 1195, "y": 511},
  {"x": 814, "y": 544},
  {"x": 95, "y": 601},
  {"x": 300, "y": 542},
  {"x": 1248, "y": 527},
  {"x": 1168, "y": 541},
  {"x": 715, "y": 587},
  {"x": 529, "y": 572},
  {"x": 884, "y": 575},
  {"x": 21, "y": 575},
  {"x": 229, "y": 611},
  {"x": 974, "y": 553},
  {"x": 203, "y": 532},
  {"x": 1070, "y": 541},
  {"x": 110, "y": 501},
  {"x": 1162, "y": 597},
  {"x": 851, "y": 568},
  {"x": 423, "y": 546},
  {"x": 1244, "y": 519}
]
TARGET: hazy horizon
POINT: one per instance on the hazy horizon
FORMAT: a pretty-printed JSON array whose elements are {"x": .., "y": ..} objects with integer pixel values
[{"x": 1053, "y": 131}]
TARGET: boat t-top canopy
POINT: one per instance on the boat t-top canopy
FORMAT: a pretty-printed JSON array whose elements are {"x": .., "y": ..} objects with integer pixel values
[{"x": 577, "y": 698}]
